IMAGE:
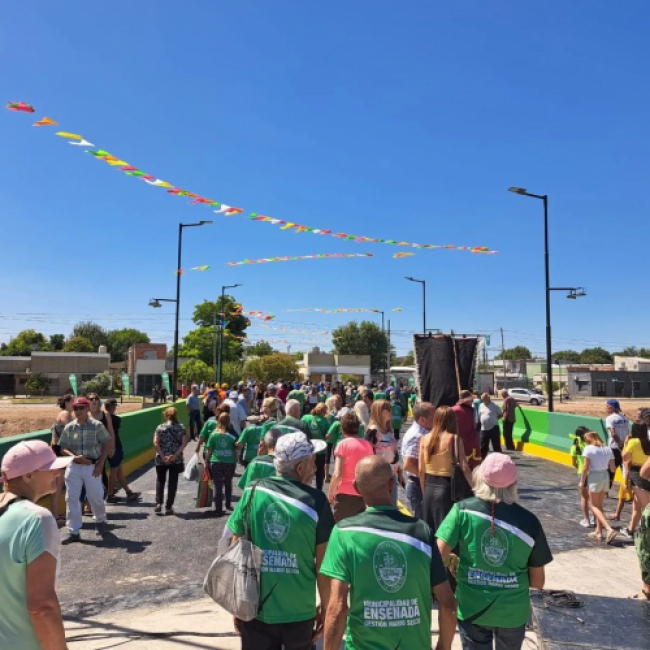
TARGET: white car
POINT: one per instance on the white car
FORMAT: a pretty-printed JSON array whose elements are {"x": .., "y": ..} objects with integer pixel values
[{"x": 525, "y": 395}]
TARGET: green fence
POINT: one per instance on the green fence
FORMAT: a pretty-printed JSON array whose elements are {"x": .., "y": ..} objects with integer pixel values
[{"x": 136, "y": 432}]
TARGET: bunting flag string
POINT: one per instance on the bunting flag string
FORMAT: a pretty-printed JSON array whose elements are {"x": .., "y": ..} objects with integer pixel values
[
  {"x": 340, "y": 310},
  {"x": 294, "y": 331},
  {"x": 228, "y": 210},
  {"x": 290, "y": 258}
]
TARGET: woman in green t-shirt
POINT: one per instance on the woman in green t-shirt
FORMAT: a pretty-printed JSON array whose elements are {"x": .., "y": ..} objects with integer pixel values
[
  {"x": 578, "y": 461},
  {"x": 319, "y": 425},
  {"x": 220, "y": 450}
]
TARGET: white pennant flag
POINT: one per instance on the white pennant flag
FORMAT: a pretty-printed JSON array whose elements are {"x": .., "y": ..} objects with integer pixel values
[
  {"x": 83, "y": 143},
  {"x": 223, "y": 208}
]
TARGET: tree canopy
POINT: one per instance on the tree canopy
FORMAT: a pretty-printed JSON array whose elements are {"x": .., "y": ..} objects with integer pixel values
[
  {"x": 518, "y": 353},
  {"x": 24, "y": 343},
  {"x": 195, "y": 371},
  {"x": 78, "y": 344},
  {"x": 260, "y": 349},
  {"x": 57, "y": 341},
  {"x": 204, "y": 315},
  {"x": 362, "y": 338},
  {"x": 570, "y": 356},
  {"x": 595, "y": 355},
  {"x": 199, "y": 344},
  {"x": 272, "y": 367},
  {"x": 95, "y": 333},
  {"x": 119, "y": 341}
]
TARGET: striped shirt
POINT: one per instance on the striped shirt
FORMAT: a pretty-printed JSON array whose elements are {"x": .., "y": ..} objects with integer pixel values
[{"x": 86, "y": 439}]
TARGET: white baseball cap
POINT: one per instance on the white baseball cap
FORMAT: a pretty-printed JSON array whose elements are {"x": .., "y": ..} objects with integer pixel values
[{"x": 293, "y": 446}]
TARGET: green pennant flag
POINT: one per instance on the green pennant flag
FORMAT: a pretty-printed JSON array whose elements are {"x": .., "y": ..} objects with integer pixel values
[
  {"x": 72, "y": 378},
  {"x": 165, "y": 378},
  {"x": 126, "y": 383}
]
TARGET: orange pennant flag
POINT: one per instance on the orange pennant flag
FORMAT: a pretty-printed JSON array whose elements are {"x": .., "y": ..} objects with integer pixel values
[{"x": 45, "y": 121}]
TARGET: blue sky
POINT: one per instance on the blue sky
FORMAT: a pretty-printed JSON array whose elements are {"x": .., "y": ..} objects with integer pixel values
[{"x": 394, "y": 120}]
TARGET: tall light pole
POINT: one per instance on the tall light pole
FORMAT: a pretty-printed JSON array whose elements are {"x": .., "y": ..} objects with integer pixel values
[
  {"x": 178, "y": 296},
  {"x": 385, "y": 355},
  {"x": 221, "y": 326},
  {"x": 424, "y": 302}
]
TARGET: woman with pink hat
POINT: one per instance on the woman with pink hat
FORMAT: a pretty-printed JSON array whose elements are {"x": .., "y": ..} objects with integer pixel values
[
  {"x": 502, "y": 551},
  {"x": 30, "y": 546}
]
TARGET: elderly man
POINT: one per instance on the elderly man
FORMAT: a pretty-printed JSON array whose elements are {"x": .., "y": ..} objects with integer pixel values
[
  {"x": 291, "y": 522},
  {"x": 509, "y": 408},
  {"x": 194, "y": 411},
  {"x": 292, "y": 418},
  {"x": 89, "y": 442},
  {"x": 262, "y": 466},
  {"x": 272, "y": 391},
  {"x": 489, "y": 414},
  {"x": 237, "y": 413},
  {"x": 387, "y": 564},
  {"x": 422, "y": 423}
]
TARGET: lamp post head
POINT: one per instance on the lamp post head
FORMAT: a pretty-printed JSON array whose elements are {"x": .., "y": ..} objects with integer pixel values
[
  {"x": 205, "y": 223},
  {"x": 154, "y": 303},
  {"x": 518, "y": 190}
]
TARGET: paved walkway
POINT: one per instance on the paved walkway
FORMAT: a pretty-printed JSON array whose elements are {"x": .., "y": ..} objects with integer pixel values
[{"x": 141, "y": 586}]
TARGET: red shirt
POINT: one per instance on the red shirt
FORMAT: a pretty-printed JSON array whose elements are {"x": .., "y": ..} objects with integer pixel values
[
  {"x": 282, "y": 395},
  {"x": 466, "y": 429}
]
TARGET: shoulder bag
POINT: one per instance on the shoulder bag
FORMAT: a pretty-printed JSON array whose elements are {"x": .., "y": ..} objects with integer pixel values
[
  {"x": 460, "y": 488},
  {"x": 233, "y": 580}
]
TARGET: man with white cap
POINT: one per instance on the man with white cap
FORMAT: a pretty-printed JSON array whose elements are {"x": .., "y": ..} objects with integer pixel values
[
  {"x": 502, "y": 551},
  {"x": 87, "y": 441},
  {"x": 237, "y": 413},
  {"x": 30, "y": 547},
  {"x": 291, "y": 522}
]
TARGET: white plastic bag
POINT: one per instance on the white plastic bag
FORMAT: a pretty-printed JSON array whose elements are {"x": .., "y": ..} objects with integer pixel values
[{"x": 191, "y": 472}]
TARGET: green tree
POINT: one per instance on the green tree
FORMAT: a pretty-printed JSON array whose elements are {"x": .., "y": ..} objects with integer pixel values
[
  {"x": 204, "y": 315},
  {"x": 272, "y": 367},
  {"x": 195, "y": 371},
  {"x": 629, "y": 351},
  {"x": 26, "y": 342},
  {"x": 232, "y": 372},
  {"x": 518, "y": 353},
  {"x": 95, "y": 333},
  {"x": 570, "y": 356},
  {"x": 100, "y": 384},
  {"x": 260, "y": 349},
  {"x": 199, "y": 344},
  {"x": 644, "y": 352},
  {"x": 119, "y": 341},
  {"x": 595, "y": 355},
  {"x": 36, "y": 384},
  {"x": 408, "y": 360},
  {"x": 57, "y": 341},
  {"x": 362, "y": 338},
  {"x": 78, "y": 344}
]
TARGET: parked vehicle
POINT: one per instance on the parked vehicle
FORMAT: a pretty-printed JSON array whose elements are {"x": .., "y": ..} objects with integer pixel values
[{"x": 526, "y": 395}]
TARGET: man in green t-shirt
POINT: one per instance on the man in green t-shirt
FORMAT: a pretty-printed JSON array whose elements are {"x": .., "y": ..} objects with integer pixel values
[
  {"x": 262, "y": 466},
  {"x": 380, "y": 393},
  {"x": 291, "y": 522},
  {"x": 502, "y": 553},
  {"x": 294, "y": 413},
  {"x": 250, "y": 440},
  {"x": 298, "y": 394},
  {"x": 388, "y": 563}
]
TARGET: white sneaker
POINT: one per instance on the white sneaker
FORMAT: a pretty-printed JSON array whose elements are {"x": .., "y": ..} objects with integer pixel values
[{"x": 585, "y": 523}]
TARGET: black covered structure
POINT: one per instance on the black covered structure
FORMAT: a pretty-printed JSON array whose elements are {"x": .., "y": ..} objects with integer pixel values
[{"x": 444, "y": 366}]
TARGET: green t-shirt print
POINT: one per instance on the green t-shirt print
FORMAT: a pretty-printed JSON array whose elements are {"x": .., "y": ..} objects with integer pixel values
[
  {"x": 391, "y": 562},
  {"x": 221, "y": 447},
  {"x": 297, "y": 394},
  {"x": 208, "y": 428},
  {"x": 288, "y": 520},
  {"x": 250, "y": 437},
  {"x": 492, "y": 575},
  {"x": 318, "y": 427},
  {"x": 259, "y": 467}
]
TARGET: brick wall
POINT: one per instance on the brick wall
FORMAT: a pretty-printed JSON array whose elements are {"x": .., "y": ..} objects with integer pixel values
[{"x": 141, "y": 351}]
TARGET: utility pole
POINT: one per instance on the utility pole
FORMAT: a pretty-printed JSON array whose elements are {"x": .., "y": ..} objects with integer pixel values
[
  {"x": 388, "y": 351},
  {"x": 503, "y": 354},
  {"x": 214, "y": 343}
]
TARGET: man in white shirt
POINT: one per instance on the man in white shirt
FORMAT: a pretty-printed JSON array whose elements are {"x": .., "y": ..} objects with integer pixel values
[
  {"x": 237, "y": 414},
  {"x": 618, "y": 429},
  {"x": 422, "y": 423},
  {"x": 489, "y": 414}
]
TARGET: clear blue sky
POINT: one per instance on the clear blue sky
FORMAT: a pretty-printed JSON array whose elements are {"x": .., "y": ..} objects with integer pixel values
[{"x": 387, "y": 119}]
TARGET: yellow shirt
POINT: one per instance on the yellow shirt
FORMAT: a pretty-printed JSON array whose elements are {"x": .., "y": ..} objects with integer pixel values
[
  {"x": 634, "y": 448},
  {"x": 438, "y": 464}
]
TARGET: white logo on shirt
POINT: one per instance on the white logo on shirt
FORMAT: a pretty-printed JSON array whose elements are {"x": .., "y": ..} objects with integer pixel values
[
  {"x": 390, "y": 566},
  {"x": 494, "y": 548},
  {"x": 277, "y": 523}
]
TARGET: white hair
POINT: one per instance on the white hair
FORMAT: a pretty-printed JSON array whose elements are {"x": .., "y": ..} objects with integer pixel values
[
  {"x": 293, "y": 406},
  {"x": 361, "y": 411},
  {"x": 485, "y": 492},
  {"x": 287, "y": 468}
]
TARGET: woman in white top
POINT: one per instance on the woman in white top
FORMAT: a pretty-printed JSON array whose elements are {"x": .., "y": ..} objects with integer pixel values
[{"x": 598, "y": 462}]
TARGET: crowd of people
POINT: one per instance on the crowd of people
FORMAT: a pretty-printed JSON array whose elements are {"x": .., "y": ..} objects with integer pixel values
[{"x": 321, "y": 466}]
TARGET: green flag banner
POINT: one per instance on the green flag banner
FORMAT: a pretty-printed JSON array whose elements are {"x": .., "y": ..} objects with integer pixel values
[
  {"x": 126, "y": 383},
  {"x": 165, "y": 378},
  {"x": 73, "y": 383}
]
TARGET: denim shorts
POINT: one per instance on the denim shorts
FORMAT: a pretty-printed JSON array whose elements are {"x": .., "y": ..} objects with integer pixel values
[{"x": 598, "y": 480}]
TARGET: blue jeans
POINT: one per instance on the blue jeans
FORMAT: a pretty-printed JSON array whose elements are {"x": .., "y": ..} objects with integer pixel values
[
  {"x": 414, "y": 496},
  {"x": 195, "y": 421},
  {"x": 475, "y": 637}
]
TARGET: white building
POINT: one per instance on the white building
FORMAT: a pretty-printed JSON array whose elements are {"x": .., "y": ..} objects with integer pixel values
[
  {"x": 316, "y": 366},
  {"x": 638, "y": 364}
]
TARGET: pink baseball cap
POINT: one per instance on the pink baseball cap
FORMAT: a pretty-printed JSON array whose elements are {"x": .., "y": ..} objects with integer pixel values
[
  {"x": 499, "y": 471},
  {"x": 31, "y": 456}
]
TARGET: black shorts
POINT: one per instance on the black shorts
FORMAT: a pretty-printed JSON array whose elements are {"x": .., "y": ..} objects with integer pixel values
[
  {"x": 116, "y": 460},
  {"x": 636, "y": 479}
]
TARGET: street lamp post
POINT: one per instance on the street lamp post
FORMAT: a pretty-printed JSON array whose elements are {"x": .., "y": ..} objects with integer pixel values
[
  {"x": 221, "y": 326},
  {"x": 178, "y": 296},
  {"x": 424, "y": 302}
]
